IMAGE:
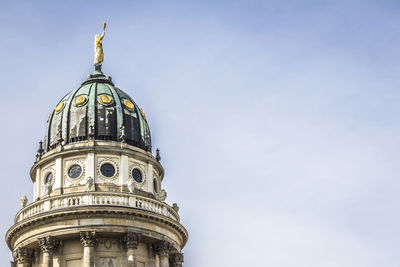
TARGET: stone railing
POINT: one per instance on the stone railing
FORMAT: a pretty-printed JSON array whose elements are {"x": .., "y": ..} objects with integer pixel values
[{"x": 96, "y": 199}]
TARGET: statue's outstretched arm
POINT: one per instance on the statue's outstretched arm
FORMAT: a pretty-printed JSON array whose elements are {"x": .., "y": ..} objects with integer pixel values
[{"x": 104, "y": 31}]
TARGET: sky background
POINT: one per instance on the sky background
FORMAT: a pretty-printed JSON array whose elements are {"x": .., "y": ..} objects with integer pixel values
[{"x": 277, "y": 121}]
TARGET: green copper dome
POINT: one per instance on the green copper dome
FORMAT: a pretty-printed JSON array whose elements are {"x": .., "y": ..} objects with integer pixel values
[{"x": 97, "y": 110}]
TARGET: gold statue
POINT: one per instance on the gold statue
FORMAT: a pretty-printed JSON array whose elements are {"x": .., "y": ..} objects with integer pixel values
[{"x": 98, "y": 47}]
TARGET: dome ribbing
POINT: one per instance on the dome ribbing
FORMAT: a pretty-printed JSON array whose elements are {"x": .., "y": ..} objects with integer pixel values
[{"x": 97, "y": 110}]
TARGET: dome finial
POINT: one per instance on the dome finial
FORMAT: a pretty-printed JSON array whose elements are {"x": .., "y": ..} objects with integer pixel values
[{"x": 98, "y": 49}]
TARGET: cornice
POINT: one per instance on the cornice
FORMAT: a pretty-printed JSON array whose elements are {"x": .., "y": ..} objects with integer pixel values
[{"x": 108, "y": 211}]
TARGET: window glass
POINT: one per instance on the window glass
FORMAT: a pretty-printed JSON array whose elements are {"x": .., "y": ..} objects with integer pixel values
[
  {"x": 137, "y": 175},
  {"x": 75, "y": 171},
  {"x": 49, "y": 178},
  {"x": 107, "y": 170}
]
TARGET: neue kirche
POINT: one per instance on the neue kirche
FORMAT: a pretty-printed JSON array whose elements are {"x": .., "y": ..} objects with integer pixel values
[{"x": 98, "y": 199}]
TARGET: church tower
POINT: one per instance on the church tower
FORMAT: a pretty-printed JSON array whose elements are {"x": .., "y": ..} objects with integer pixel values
[{"x": 98, "y": 195}]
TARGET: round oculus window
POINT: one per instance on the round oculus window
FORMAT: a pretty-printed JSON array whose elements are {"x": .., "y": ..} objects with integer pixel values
[
  {"x": 75, "y": 171},
  {"x": 49, "y": 178},
  {"x": 107, "y": 170},
  {"x": 137, "y": 175}
]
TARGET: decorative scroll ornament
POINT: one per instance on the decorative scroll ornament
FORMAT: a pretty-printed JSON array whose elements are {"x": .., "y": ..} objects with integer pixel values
[{"x": 88, "y": 238}]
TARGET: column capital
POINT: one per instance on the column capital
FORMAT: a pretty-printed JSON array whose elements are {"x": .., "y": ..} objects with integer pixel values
[
  {"x": 88, "y": 238},
  {"x": 176, "y": 259},
  {"x": 162, "y": 248},
  {"x": 48, "y": 243},
  {"x": 23, "y": 255},
  {"x": 131, "y": 240}
]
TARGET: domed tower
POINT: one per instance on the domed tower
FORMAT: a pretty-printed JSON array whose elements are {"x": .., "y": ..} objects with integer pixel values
[{"x": 98, "y": 199}]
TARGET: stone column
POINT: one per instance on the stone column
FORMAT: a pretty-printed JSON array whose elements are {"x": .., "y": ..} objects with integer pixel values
[
  {"x": 131, "y": 242},
  {"x": 48, "y": 245},
  {"x": 88, "y": 239},
  {"x": 151, "y": 254},
  {"x": 176, "y": 259},
  {"x": 22, "y": 257},
  {"x": 163, "y": 249}
]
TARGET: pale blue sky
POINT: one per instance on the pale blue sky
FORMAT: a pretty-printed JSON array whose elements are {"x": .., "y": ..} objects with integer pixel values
[{"x": 277, "y": 120}]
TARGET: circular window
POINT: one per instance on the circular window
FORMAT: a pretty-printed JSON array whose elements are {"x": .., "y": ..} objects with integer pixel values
[
  {"x": 75, "y": 171},
  {"x": 107, "y": 170},
  {"x": 155, "y": 184},
  {"x": 49, "y": 178},
  {"x": 137, "y": 175}
]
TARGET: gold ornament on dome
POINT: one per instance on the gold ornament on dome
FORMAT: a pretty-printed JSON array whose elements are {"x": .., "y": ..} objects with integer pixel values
[
  {"x": 59, "y": 107},
  {"x": 128, "y": 104},
  {"x": 105, "y": 99},
  {"x": 80, "y": 100},
  {"x": 143, "y": 114}
]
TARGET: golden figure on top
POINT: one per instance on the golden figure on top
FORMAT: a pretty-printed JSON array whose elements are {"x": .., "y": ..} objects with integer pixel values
[{"x": 98, "y": 47}]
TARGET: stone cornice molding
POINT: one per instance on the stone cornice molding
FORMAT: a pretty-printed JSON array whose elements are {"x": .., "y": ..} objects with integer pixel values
[
  {"x": 83, "y": 211},
  {"x": 88, "y": 238}
]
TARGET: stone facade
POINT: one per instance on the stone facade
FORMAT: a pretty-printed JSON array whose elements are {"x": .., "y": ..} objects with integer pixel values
[{"x": 84, "y": 214}]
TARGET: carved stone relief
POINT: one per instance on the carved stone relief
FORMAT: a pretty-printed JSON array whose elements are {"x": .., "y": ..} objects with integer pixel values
[{"x": 108, "y": 262}]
